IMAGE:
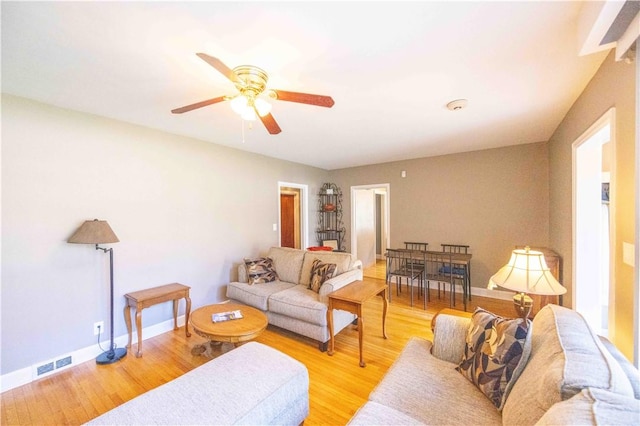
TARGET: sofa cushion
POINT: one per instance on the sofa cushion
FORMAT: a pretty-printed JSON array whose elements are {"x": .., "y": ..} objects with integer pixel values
[
  {"x": 373, "y": 413},
  {"x": 320, "y": 272},
  {"x": 256, "y": 295},
  {"x": 287, "y": 262},
  {"x": 566, "y": 357},
  {"x": 341, "y": 260},
  {"x": 301, "y": 303},
  {"x": 593, "y": 406},
  {"x": 260, "y": 270},
  {"x": 495, "y": 354},
  {"x": 424, "y": 387},
  {"x": 629, "y": 369}
]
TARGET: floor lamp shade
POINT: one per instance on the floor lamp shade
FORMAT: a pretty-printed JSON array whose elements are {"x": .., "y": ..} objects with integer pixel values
[
  {"x": 94, "y": 232},
  {"x": 99, "y": 232}
]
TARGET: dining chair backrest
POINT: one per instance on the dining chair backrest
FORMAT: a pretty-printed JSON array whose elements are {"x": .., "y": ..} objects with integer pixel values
[
  {"x": 415, "y": 246},
  {"x": 438, "y": 266},
  {"x": 401, "y": 262},
  {"x": 455, "y": 248}
]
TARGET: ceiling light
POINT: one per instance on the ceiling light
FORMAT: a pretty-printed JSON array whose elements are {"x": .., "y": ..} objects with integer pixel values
[
  {"x": 246, "y": 107},
  {"x": 262, "y": 106},
  {"x": 239, "y": 104},
  {"x": 457, "y": 105}
]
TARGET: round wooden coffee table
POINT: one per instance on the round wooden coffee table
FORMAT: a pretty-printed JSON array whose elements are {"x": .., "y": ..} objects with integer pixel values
[{"x": 252, "y": 323}]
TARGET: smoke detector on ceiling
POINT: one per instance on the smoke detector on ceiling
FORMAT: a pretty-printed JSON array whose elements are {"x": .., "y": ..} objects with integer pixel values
[{"x": 457, "y": 105}]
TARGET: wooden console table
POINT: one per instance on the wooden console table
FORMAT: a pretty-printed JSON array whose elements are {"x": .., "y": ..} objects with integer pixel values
[
  {"x": 350, "y": 298},
  {"x": 152, "y": 296}
]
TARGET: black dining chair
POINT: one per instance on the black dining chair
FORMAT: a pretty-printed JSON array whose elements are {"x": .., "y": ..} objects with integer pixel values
[
  {"x": 403, "y": 263},
  {"x": 440, "y": 268},
  {"x": 460, "y": 272}
]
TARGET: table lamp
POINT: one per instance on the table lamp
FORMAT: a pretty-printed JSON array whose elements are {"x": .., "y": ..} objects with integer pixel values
[
  {"x": 526, "y": 273},
  {"x": 99, "y": 232}
]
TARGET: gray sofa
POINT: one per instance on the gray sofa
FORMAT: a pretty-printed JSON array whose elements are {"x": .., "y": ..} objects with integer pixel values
[
  {"x": 288, "y": 303},
  {"x": 252, "y": 384},
  {"x": 572, "y": 377}
]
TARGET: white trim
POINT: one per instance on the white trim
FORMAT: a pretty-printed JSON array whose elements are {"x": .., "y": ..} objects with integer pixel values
[
  {"x": 25, "y": 375},
  {"x": 386, "y": 214},
  {"x": 636, "y": 273},
  {"x": 608, "y": 118}
]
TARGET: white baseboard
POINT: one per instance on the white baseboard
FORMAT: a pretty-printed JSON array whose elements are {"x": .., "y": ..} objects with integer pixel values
[
  {"x": 29, "y": 374},
  {"x": 483, "y": 292}
]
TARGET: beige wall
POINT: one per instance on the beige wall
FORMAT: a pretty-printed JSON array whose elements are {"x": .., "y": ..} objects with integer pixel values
[
  {"x": 490, "y": 200},
  {"x": 184, "y": 210},
  {"x": 612, "y": 86}
]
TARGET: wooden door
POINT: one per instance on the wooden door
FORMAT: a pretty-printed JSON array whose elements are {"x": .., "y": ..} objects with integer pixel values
[{"x": 287, "y": 221}]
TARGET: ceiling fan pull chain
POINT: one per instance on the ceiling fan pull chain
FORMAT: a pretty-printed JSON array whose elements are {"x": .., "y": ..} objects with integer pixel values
[{"x": 242, "y": 124}]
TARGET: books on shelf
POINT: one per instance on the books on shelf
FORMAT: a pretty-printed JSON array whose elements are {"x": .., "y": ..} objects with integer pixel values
[{"x": 226, "y": 316}]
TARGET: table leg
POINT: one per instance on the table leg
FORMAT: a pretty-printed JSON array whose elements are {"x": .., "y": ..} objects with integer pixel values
[
  {"x": 186, "y": 315},
  {"x": 330, "y": 321},
  {"x": 360, "y": 334},
  {"x": 385, "y": 305},
  {"x": 175, "y": 314},
  {"x": 139, "y": 329},
  {"x": 127, "y": 320}
]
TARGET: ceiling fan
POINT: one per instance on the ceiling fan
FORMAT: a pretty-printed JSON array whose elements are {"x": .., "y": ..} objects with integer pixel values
[{"x": 251, "y": 82}]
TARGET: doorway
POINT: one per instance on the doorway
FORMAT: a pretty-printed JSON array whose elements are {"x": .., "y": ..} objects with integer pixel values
[
  {"x": 292, "y": 207},
  {"x": 593, "y": 204},
  {"x": 370, "y": 218}
]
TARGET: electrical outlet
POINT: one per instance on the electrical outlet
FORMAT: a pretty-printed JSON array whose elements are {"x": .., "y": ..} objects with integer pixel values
[{"x": 98, "y": 327}]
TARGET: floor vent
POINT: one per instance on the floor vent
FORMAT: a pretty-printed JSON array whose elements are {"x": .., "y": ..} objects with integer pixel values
[{"x": 52, "y": 366}]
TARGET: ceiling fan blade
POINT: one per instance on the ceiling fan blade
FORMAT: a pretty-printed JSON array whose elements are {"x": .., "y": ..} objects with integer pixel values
[
  {"x": 304, "y": 98},
  {"x": 198, "y": 105},
  {"x": 221, "y": 67},
  {"x": 270, "y": 123}
]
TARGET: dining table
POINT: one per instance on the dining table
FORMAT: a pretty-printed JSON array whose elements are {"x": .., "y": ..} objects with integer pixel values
[{"x": 460, "y": 259}]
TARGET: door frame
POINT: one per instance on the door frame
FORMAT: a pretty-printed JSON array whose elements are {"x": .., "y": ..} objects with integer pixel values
[
  {"x": 608, "y": 118},
  {"x": 386, "y": 213},
  {"x": 304, "y": 211}
]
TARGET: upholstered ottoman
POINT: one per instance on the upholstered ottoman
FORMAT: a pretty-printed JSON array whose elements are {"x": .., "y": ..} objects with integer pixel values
[{"x": 252, "y": 384}]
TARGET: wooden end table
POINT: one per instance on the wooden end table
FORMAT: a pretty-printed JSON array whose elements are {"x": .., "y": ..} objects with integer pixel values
[
  {"x": 252, "y": 323},
  {"x": 152, "y": 296},
  {"x": 350, "y": 298}
]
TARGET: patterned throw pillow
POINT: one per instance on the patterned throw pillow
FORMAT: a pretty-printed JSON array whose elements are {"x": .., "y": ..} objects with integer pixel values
[
  {"x": 260, "y": 270},
  {"x": 496, "y": 352},
  {"x": 320, "y": 272}
]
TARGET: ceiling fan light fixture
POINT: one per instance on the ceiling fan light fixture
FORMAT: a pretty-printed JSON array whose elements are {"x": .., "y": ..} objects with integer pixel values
[
  {"x": 239, "y": 104},
  {"x": 263, "y": 107},
  {"x": 249, "y": 114}
]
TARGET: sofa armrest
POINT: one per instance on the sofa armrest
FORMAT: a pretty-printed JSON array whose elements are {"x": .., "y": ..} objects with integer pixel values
[
  {"x": 242, "y": 273},
  {"x": 449, "y": 337},
  {"x": 357, "y": 264},
  {"x": 340, "y": 281}
]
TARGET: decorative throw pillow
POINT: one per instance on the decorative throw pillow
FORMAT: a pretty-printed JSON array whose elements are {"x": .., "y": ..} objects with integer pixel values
[
  {"x": 260, "y": 270},
  {"x": 320, "y": 272},
  {"x": 496, "y": 352}
]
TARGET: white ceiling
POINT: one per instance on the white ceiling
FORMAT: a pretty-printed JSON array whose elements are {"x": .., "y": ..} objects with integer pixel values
[{"x": 391, "y": 68}]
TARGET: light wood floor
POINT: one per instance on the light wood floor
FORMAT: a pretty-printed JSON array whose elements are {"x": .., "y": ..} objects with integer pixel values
[{"x": 338, "y": 386}]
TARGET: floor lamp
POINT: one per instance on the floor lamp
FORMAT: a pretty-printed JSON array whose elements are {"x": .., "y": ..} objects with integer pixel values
[
  {"x": 99, "y": 232},
  {"x": 526, "y": 273}
]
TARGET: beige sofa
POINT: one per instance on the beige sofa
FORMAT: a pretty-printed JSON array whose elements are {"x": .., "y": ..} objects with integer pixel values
[
  {"x": 572, "y": 377},
  {"x": 288, "y": 302}
]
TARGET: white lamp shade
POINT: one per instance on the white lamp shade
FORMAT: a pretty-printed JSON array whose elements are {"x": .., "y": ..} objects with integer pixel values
[
  {"x": 239, "y": 104},
  {"x": 263, "y": 107},
  {"x": 527, "y": 272}
]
